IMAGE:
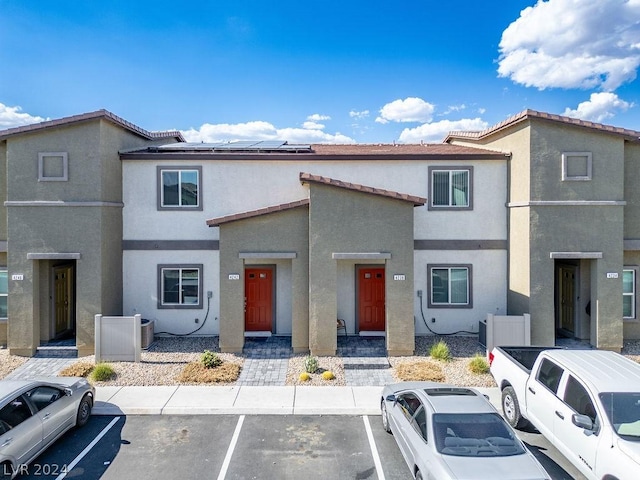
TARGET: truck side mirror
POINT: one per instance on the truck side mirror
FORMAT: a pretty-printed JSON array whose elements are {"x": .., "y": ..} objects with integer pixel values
[{"x": 582, "y": 421}]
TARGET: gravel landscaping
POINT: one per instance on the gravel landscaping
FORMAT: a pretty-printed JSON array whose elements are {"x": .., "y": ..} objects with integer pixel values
[{"x": 163, "y": 362}]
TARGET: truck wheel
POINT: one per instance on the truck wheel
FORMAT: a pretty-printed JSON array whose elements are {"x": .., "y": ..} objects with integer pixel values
[{"x": 511, "y": 408}]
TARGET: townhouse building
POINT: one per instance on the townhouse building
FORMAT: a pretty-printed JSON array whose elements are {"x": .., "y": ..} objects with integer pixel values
[{"x": 537, "y": 214}]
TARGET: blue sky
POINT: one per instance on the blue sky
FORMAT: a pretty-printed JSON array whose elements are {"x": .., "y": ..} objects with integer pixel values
[{"x": 333, "y": 72}]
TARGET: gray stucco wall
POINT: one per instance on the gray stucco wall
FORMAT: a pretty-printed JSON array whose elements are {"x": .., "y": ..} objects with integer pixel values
[
  {"x": 82, "y": 215},
  {"x": 278, "y": 232},
  {"x": 343, "y": 221}
]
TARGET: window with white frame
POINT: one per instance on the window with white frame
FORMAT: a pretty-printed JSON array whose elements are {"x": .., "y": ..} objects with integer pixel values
[
  {"x": 4, "y": 292},
  {"x": 53, "y": 167},
  {"x": 451, "y": 188},
  {"x": 576, "y": 166},
  {"x": 179, "y": 188},
  {"x": 629, "y": 292},
  {"x": 449, "y": 286},
  {"x": 180, "y": 286}
]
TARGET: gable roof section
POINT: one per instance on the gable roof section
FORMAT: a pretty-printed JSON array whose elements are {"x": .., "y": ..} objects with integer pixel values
[
  {"x": 216, "y": 222},
  {"x": 631, "y": 135},
  {"x": 99, "y": 114},
  {"x": 309, "y": 178}
]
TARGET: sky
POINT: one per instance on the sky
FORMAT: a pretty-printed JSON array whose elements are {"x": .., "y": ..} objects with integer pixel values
[{"x": 346, "y": 71}]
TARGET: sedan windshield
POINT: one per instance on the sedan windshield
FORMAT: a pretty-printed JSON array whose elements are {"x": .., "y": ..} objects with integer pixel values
[
  {"x": 474, "y": 435},
  {"x": 623, "y": 411}
]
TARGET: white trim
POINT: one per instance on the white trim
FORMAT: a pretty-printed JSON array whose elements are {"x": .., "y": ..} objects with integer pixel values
[
  {"x": 42, "y": 156},
  {"x": 274, "y": 255},
  {"x": 361, "y": 256},
  {"x": 565, "y": 167},
  {"x": 575, "y": 255}
]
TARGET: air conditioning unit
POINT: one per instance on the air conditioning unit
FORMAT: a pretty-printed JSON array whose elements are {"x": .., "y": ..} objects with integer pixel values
[{"x": 146, "y": 337}]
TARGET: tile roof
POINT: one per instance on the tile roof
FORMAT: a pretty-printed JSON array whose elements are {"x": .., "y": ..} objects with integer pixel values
[
  {"x": 215, "y": 222},
  {"x": 99, "y": 114},
  {"x": 309, "y": 178},
  {"x": 528, "y": 114}
]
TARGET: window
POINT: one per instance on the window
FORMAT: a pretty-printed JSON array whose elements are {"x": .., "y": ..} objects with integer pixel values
[
  {"x": 450, "y": 188},
  {"x": 549, "y": 375},
  {"x": 180, "y": 286},
  {"x": 629, "y": 293},
  {"x": 577, "y": 397},
  {"x": 179, "y": 188},
  {"x": 4, "y": 290},
  {"x": 43, "y": 396},
  {"x": 53, "y": 167},
  {"x": 576, "y": 166},
  {"x": 15, "y": 412},
  {"x": 449, "y": 286}
]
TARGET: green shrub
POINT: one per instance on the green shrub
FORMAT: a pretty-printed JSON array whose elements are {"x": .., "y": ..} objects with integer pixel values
[
  {"x": 310, "y": 364},
  {"x": 103, "y": 372},
  {"x": 210, "y": 359},
  {"x": 478, "y": 365},
  {"x": 440, "y": 351}
]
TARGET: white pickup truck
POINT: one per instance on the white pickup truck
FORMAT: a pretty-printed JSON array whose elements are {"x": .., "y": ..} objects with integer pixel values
[{"x": 585, "y": 402}]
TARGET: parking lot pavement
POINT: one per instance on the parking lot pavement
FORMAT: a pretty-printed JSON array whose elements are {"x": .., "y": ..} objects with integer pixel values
[{"x": 241, "y": 447}]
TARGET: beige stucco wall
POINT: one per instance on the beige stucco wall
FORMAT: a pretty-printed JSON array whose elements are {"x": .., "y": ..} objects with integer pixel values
[
  {"x": 343, "y": 221},
  {"x": 276, "y": 233}
]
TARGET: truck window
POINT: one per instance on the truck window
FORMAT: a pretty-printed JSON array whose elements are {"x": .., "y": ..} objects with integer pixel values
[
  {"x": 549, "y": 375},
  {"x": 577, "y": 397}
]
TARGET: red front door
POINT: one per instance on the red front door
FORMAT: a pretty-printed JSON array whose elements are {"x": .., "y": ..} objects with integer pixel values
[
  {"x": 258, "y": 290},
  {"x": 371, "y": 299}
]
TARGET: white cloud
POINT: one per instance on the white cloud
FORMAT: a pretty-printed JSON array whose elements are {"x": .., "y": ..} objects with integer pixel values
[
  {"x": 411, "y": 109},
  {"x": 316, "y": 117},
  {"x": 436, "y": 131},
  {"x": 573, "y": 44},
  {"x": 13, "y": 117},
  {"x": 454, "y": 108},
  {"x": 599, "y": 107},
  {"x": 356, "y": 114},
  {"x": 313, "y": 126},
  {"x": 260, "y": 130}
]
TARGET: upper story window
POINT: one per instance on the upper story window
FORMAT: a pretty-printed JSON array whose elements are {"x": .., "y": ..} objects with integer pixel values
[
  {"x": 180, "y": 286},
  {"x": 4, "y": 291},
  {"x": 53, "y": 167},
  {"x": 629, "y": 292},
  {"x": 576, "y": 166},
  {"x": 451, "y": 188},
  {"x": 449, "y": 286},
  {"x": 179, "y": 188}
]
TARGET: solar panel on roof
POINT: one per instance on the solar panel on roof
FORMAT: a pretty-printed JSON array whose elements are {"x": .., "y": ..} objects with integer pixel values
[{"x": 236, "y": 146}]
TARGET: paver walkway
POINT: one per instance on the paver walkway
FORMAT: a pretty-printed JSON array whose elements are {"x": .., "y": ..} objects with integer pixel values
[{"x": 266, "y": 361}]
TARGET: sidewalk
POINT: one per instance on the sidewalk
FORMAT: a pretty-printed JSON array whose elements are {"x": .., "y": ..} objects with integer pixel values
[{"x": 245, "y": 400}]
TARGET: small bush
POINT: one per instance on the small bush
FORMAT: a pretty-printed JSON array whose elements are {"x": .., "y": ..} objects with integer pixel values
[
  {"x": 478, "y": 365},
  {"x": 328, "y": 375},
  {"x": 421, "y": 370},
  {"x": 196, "y": 372},
  {"x": 304, "y": 377},
  {"x": 210, "y": 359},
  {"x": 440, "y": 351},
  {"x": 102, "y": 372},
  {"x": 78, "y": 369},
  {"x": 311, "y": 364}
]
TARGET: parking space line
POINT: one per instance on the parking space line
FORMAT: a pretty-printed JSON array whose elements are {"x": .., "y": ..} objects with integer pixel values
[
  {"x": 87, "y": 449},
  {"x": 232, "y": 447},
  {"x": 374, "y": 448}
]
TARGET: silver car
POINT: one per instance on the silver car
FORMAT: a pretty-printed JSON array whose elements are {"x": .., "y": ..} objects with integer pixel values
[
  {"x": 34, "y": 413},
  {"x": 446, "y": 432}
]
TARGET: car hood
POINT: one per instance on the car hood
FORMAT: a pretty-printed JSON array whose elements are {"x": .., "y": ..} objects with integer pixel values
[
  {"x": 514, "y": 467},
  {"x": 631, "y": 449}
]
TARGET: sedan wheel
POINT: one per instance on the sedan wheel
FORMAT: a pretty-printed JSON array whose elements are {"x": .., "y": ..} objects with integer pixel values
[
  {"x": 84, "y": 411},
  {"x": 385, "y": 417}
]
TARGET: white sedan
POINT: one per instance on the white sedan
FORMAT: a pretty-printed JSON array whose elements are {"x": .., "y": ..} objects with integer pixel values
[
  {"x": 35, "y": 413},
  {"x": 446, "y": 432}
]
